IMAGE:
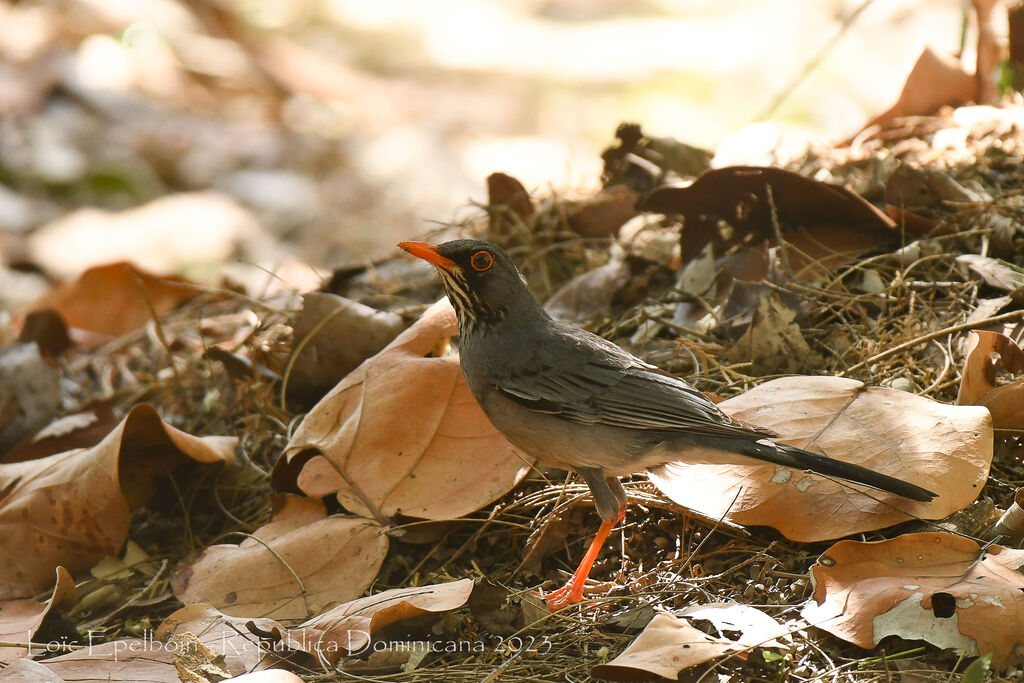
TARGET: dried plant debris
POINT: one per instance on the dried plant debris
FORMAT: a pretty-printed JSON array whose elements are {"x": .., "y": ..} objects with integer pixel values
[{"x": 883, "y": 277}]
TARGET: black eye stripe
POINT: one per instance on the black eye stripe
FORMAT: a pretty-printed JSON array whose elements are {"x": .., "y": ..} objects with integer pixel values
[{"x": 482, "y": 260}]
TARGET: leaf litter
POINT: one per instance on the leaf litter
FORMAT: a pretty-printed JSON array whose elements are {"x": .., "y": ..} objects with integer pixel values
[{"x": 893, "y": 315}]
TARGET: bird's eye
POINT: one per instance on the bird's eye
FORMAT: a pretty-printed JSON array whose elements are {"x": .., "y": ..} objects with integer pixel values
[{"x": 482, "y": 260}]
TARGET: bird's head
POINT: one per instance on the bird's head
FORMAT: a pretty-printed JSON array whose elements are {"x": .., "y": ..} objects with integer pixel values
[{"x": 480, "y": 279}]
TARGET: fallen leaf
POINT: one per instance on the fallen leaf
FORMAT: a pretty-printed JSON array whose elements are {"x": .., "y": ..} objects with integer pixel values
[
  {"x": 318, "y": 360},
  {"x": 129, "y": 660},
  {"x": 72, "y": 509},
  {"x": 22, "y": 620},
  {"x": 728, "y": 206},
  {"x": 115, "y": 299},
  {"x": 349, "y": 628},
  {"x": 946, "y": 449},
  {"x": 935, "y": 80},
  {"x": 665, "y": 647},
  {"x": 447, "y": 459},
  {"x": 938, "y": 587},
  {"x": 603, "y": 214},
  {"x": 774, "y": 344},
  {"x": 27, "y": 671},
  {"x": 589, "y": 294},
  {"x": 47, "y": 329},
  {"x": 291, "y": 568},
  {"x": 227, "y": 636},
  {"x": 1009, "y": 528},
  {"x": 984, "y": 353},
  {"x": 995, "y": 272},
  {"x": 756, "y": 628},
  {"x": 506, "y": 193}
]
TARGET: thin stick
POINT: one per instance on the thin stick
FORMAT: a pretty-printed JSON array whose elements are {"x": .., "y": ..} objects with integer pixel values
[{"x": 928, "y": 337}]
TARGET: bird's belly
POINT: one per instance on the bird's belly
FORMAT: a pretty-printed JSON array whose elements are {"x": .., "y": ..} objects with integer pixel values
[{"x": 567, "y": 445}]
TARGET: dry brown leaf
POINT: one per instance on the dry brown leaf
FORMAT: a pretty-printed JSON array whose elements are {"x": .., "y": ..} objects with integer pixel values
[
  {"x": 946, "y": 449},
  {"x": 505, "y": 192},
  {"x": 774, "y": 343},
  {"x": 115, "y": 299},
  {"x": 320, "y": 361},
  {"x": 21, "y": 620},
  {"x": 80, "y": 430},
  {"x": 293, "y": 567},
  {"x": 665, "y": 647},
  {"x": 72, "y": 509},
  {"x": 756, "y": 628},
  {"x": 935, "y": 80},
  {"x": 985, "y": 352},
  {"x": 937, "y": 587},
  {"x": 737, "y": 197},
  {"x": 227, "y": 636},
  {"x": 994, "y": 272},
  {"x": 129, "y": 660},
  {"x": 590, "y": 294},
  {"x": 350, "y": 627},
  {"x": 446, "y": 459}
]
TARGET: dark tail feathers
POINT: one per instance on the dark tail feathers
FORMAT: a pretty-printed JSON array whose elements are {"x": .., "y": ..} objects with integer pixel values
[{"x": 798, "y": 458}]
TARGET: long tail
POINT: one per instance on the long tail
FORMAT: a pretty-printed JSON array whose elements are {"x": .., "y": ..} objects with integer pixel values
[{"x": 798, "y": 458}]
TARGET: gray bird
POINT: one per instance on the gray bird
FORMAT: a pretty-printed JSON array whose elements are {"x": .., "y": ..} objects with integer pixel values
[{"x": 576, "y": 401}]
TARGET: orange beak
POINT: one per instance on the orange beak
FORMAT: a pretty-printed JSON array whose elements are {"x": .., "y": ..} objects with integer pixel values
[{"x": 428, "y": 252}]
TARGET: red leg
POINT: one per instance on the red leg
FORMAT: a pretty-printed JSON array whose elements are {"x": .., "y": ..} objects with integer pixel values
[{"x": 572, "y": 592}]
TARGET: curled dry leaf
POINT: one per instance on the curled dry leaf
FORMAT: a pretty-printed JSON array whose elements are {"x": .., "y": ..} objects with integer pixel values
[
  {"x": 21, "y": 620},
  {"x": 115, "y": 299},
  {"x": 349, "y": 628},
  {"x": 444, "y": 461},
  {"x": 72, "y": 509},
  {"x": 129, "y": 660},
  {"x": 228, "y": 637},
  {"x": 985, "y": 352},
  {"x": 935, "y": 80},
  {"x": 737, "y": 196},
  {"x": 670, "y": 644},
  {"x": 320, "y": 361},
  {"x": 937, "y": 587},
  {"x": 291, "y": 568},
  {"x": 946, "y": 449}
]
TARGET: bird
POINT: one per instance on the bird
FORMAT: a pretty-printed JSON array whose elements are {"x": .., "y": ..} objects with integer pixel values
[{"x": 573, "y": 400}]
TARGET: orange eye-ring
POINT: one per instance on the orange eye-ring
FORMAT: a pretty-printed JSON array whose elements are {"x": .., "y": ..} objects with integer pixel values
[{"x": 482, "y": 260}]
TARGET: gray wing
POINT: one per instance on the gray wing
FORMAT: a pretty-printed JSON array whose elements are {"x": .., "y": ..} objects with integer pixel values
[{"x": 595, "y": 382}]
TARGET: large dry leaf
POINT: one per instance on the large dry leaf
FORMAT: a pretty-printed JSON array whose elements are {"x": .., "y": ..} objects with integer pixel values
[
  {"x": 666, "y": 646},
  {"x": 669, "y": 644},
  {"x": 293, "y": 567},
  {"x": 986, "y": 351},
  {"x": 946, "y": 449},
  {"x": 115, "y": 299},
  {"x": 934, "y": 81},
  {"x": 72, "y": 509},
  {"x": 739, "y": 197},
  {"x": 228, "y": 637},
  {"x": 937, "y": 587},
  {"x": 350, "y": 627},
  {"x": 403, "y": 433},
  {"x": 21, "y": 620},
  {"x": 130, "y": 660}
]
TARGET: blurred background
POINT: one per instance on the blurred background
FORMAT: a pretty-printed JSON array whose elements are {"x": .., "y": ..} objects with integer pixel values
[{"x": 302, "y": 135}]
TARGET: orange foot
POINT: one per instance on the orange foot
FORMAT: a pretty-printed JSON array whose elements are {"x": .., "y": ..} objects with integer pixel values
[{"x": 571, "y": 593}]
